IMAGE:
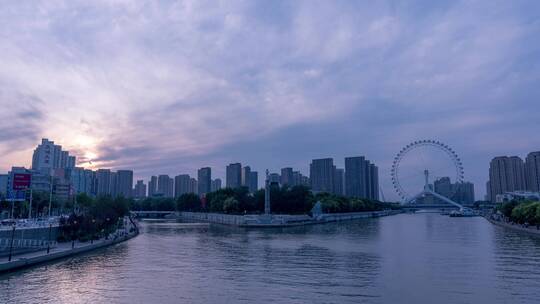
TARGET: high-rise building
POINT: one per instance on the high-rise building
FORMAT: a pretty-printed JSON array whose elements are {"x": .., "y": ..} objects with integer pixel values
[
  {"x": 287, "y": 177},
  {"x": 170, "y": 193},
  {"x": 234, "y": 175},
  {"x": 356, "y": 169},
  {"x": 193, "y": 185},
  {"x": 139, "y": 192},
  {"x": 461, "y": 193},
  {"x": 253, "y": 181},
  {"x": 246, "y": 175},
  {"x": 339, "y": 181},
  {"x": 216, "y": 184},
  {"x": 182, "y": 185},
  {"x": 321, "y": 174},
  {"x": 373, "y": 179},
  {"x": 3, "y": 185},
  {"x": 465, "y": 193},
  {"x": 274, "y": 178},
  {"x": 152, "y": 186},
  {"x": 165, "y": 186},
  {"x": 48, "y": 156},
  {"x": 114, "y": 184},
  {"x": 506, "y": 174},
  {"x": 124, "y": 183},
  {"x": 532, "y": 171},
  {"x": 83, "y": 180},
  {"x": 204, "y": 181},
  {"x": 361, "y": 178},
  {"x": 103, "y": 177}
]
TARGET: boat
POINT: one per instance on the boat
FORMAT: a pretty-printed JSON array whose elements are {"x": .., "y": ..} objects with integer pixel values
[{"x": 465, "y": 212}]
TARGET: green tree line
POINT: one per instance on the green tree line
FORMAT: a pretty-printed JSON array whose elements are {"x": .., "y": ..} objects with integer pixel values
[
  {"x": 522, "y": 212},
  {"x": 284, "y": 200},
  {"x": 93, "y": 217}
]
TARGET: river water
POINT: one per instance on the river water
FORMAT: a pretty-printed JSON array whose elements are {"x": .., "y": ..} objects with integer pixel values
[{"x": 420, "y": 258}]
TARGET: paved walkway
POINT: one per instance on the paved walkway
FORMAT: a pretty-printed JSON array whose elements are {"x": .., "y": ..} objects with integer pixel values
[
  {"x": 530, "y": 229},
  {"x": 59, "y": 248},
  {"x": 61, "y": 251}
]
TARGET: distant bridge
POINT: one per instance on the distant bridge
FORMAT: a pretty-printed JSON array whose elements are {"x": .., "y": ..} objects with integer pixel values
[
  {"x": 151, "y": 214},
  {"x": 411, "y": 206}
]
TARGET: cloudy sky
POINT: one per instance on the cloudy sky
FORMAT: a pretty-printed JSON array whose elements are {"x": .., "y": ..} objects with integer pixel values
[{"x": 170, "y": 86}]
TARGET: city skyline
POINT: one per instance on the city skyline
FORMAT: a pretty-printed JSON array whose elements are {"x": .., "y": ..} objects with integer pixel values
[
  {"x": 150, "y": 97},
  {"x": 49, "y": 157}
]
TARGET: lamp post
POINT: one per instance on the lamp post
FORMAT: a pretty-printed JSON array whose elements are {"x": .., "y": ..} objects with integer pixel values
[
  {"x": 107, "y": 227},
  {"x": 11, "y": 244},
  {"x": 73, "y": 235},
  {"x": 93, "y": 231},
  {"x": 49, "y": 241},
  {"x": 30, "y": 208},
  {"x": 50, "y": 196}
]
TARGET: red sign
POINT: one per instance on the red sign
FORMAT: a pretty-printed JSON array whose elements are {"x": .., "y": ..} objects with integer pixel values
[{"x": 21, "y": 181}]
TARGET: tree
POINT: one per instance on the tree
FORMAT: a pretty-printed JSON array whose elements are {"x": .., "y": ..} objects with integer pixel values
[
  {"x": 188, "y": 202},
  {"x": 231, "y": 205}
]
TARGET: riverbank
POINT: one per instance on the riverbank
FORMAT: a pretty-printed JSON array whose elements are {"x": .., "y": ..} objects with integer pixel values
[
  {"x": 278, "y": 220},
  {"x": 63, "y": 250},
  {"x": 516, "y": 227}
]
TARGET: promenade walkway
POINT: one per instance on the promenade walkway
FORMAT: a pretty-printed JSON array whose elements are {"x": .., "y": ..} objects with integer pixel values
[
  {"x": 499, "y": 222},
  {"x": 62, "y": 250}
]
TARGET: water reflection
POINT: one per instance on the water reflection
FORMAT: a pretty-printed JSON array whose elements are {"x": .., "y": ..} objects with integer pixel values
[{"x": 401, "y": 259}]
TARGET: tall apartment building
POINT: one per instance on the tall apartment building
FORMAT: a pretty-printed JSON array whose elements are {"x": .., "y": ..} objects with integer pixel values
[
  {"x": 506, "y": 174},
  {"x": 3, "y": 185},
  {"x": 139, "y": 192},
  {"x": 103, "y": 178},
  {"x": 165, "y": 186},
  {"x": 152, "y": 186},
  {"x": 253, "y": 181},
  {"x": 48, "y": 156},
  {"x": 287, "y": 177},
  {"x": 361, "y": 178},
  {"x": 321, "y": 174},
  {"x": 216, "y": 184},
  {"x": 83, "y": 181},
  {"x": 124, "y": 183},
  {"x": 339, "y": 181},
  {"x": 204, "y": 181},
  {"x": 234, "y": 175},
  {"x": 373, "y": 179},
  {"x": 532, "y": 171},
  {"x": 461, "y": 193},
  {"x": 245, "y": 176},
  {"x": 182, "y": 185},
  {"x": 193, "y": 188}
]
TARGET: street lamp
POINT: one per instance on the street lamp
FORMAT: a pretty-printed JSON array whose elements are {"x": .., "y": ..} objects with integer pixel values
[
  {"x": 73, "y": 235},
  {"x": 93, "y": 231}
]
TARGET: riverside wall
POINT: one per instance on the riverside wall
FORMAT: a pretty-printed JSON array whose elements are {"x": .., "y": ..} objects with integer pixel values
[
  {"x": 279, "y": 220},
  {"x": 530, "y": 230}
]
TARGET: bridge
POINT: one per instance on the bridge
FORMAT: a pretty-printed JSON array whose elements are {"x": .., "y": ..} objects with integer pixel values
[
  {"x": 151, "y": 214},
  {"x": 413, "y": 206},
  {"x": 411, "y": 203}
]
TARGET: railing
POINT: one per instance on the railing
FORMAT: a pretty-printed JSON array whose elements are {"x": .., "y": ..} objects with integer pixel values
[{"x": 26, "y": 244}]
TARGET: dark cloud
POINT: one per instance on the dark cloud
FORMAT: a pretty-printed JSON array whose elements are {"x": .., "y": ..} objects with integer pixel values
[{"x": 21, "y": 121}]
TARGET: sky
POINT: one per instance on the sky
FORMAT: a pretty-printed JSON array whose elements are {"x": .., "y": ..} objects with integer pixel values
[{"x": 166, "y": 87}]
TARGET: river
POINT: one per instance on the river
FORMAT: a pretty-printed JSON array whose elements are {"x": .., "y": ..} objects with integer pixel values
[{"x": 420, "y": 258}]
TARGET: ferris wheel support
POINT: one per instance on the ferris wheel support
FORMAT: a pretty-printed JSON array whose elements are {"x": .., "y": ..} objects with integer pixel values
[{"x": 427, "y": 190}]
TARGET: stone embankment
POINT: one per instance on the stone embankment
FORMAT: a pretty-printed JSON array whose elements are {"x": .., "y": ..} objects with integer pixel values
[
  {"x": 64, "y": 250},
  {"x": 533, "y": 230},
  {"x": 278, "y": 220}
]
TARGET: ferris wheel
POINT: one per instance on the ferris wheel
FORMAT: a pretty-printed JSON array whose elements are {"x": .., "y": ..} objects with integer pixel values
[{"x": 414, "y": 164}]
